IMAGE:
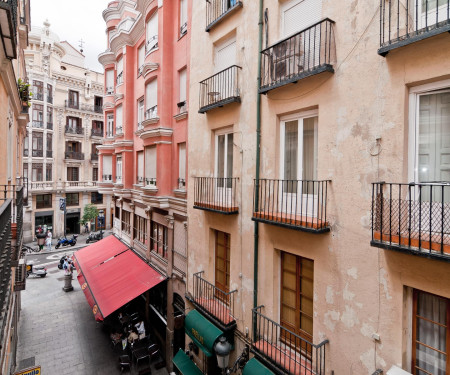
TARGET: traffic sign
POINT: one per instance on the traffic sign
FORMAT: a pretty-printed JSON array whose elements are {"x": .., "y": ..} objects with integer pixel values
[{"x": 62, "y": 204}]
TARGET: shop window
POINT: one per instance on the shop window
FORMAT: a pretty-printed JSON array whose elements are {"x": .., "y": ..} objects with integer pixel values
[
  {"x": 159, "y": 238},
  {"x": 96, "y": 198},
  {"x": 140, "y": 229},
  {"x": 126, "y": 222}
]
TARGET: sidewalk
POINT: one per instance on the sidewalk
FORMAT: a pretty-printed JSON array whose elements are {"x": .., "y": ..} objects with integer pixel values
[{"x": 81, "y": 242}]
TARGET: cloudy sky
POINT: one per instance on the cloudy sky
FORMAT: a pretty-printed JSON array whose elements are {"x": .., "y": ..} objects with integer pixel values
[{"x": 75, "y": 20}]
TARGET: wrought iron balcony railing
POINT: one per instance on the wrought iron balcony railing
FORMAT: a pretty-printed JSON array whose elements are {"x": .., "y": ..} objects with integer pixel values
[
  {"x": 216, "y": 194},
  {"x": 73, "y": 104},
  {"x": 181, "y": 184},
  {"x": 182, "y": 107},
  {"x": 216, "y": 303},
  {"x": 50, "y": 99},
  {"x": 94, "y": 157},
  {"x": 150, "y": 182},
  {"x": 408, "y": 21},
  {"x": 41, "y": 185},
  {"x": 217, "y": 10},
  {"x": 139, "y": 180},
  {"x": 309, "y": 52},
  {"x": 412, "y": 218},
  {"x": 96, "y": 132},
  {"x": 107, "y": 177},
  {"x": 38, "y": 95},
  {"x": 50, "y": 125},
  {"x": 278, "y": 347},
  {"x": 74, "y": 129},
  {"x": 37, "y": 124},
  {"x": 9, "y": 29},
  {"x": 37, "y": 153},
  {"x": 109, "y": 90},
  {"x": 296, "y": 204},
  {"x": 220, "y": 89},
  {"x": 98, "y": 108},
  {"x": 74, "y": 155},
  {"x": 119, "y": 79}
]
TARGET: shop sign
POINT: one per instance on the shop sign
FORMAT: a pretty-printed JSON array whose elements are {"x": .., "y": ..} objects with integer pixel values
[{"x": 36, "y": 370}]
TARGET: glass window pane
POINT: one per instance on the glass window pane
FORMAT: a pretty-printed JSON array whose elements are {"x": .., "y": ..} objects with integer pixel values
[{"x": 291, "y": 150}]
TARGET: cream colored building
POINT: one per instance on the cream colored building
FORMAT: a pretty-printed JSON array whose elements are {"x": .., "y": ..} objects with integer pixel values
[
  {"x": 291, "y": 239},
  {"x": 66, "y": 125}
]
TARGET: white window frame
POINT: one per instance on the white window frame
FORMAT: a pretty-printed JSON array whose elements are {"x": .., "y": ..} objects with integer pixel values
[
  {"x": 218, "y": 133},
  {"x": 119, "y": 119},
  {"x": 109, "y": 79},
  {"x": 291, "y": 4},
  {"x": 183, "y": 17},
  {"x": 118, "y": 169},
  {"x": 109, "y": 125},
  {"x": 107, "y": 166},
  {"x": 149, "y": 41},
  {"x": 182, "y": 165},
  {"x": 140, "y": 112}
]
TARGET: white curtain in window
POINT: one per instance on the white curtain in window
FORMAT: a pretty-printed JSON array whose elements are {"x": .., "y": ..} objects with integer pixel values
[
  {"x": 140, "y": 162},
  {"x": 182, "y": 85},
  {"x": 150, "y": 162},
  {"x": 151, "y": 94}
]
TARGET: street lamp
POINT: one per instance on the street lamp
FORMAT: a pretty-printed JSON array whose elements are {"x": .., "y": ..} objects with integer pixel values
[
  {"x": 222, "y": 350},
  {"x": 101, "y": 216}
]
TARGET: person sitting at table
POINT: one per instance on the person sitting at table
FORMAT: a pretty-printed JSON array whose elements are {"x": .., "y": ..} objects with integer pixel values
[
  {"x": 133, "y": 336},
  {"x": 140, "y": 329}
]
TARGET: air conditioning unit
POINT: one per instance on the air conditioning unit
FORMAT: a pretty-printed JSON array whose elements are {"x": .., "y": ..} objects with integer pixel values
[{"x": 394, "y": 370}]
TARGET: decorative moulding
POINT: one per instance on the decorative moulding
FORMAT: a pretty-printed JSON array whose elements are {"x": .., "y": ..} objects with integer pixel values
[
  {"x": 108, "y": 105},
  {"x": 105, "y": 147},
  {"x": 107, "y": 57},
  {"x": 150, "y": 121},
  {"x": 117, "y": 97},
  {"x": 157, "y": 132},
  {"x": 149, "y": 67},
  {"x": 181, "y": 116},
  {"x": 123, "y": 143}
]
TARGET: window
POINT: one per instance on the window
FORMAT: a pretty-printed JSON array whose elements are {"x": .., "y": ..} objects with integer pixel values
[
  {"x": 152, "y": 33},
  {"x": 97, "y": 128},
  {"x": 37, "y": 144},
  {"x": 182, "y": 166},
  {"x": 431, "y": 330},
  {"x": 49, "y": 93},
  {"x": 25, "y": 170},
  {"x": 38, "y": 116},
  {"x": 48, "y": 172},
  {"x": 110, "y": 126},
  {"x": 98, "y": 104},
  {"x": 141, "y": 58},
  {"x": 38, "y": 90},
  {"x": 119, "y": 78},
  {"x": 140, "y": 229},
  {"x": 150, "y": 166},
  {"x": 224, "y": 160},
  {"x": 26, "y": 146},
  {"x": 151, "y": 98},
  {"x": 140, "y": 167},
  {"x": 96, "y": 198},
  {"x": 182, "y": 98},
  {"x": 73, "y": 125},
  {"x": 183, "y": 17},
  {"x": 49, "y": 152},
  {"x": 110, "y": 82},
  {"x": 222, "y": 261},
  {"x": 73, "y": 99},
  {"x": 36, "y": 172},
  {"x": 73, "y": 147},
  {"x": 94, "y": 174},
  {"x": 49, "y": 117},
  {"x": 72, "y": 174},
  {"x": 297, "y": 15},
  {"x": 119, "y": 119},
  {"x": 117, "y": 212},
  {"x": 158, "y": 242},
  {"x": 297, "y": 281},
  {"x": 140, "y": 113},
  {"x": 119, "y": 169},
  {"x": 126, "y": 223},
  {"x": 44, "y": 201},
  {"x": 225, "y": 55},
  {"x": 107, "y": 168},
  {"x": 72, "y": 199}
]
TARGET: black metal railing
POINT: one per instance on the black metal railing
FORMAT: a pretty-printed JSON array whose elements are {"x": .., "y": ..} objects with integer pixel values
[
  {"x": 214, "y": 301},
  {"x": 216, "y": 10},
  {"x": 74, "y": 129},
  {"x": 183, "y": 28},
  {"x": 309, "y": 52},
  {"x": 23, "y": 181},
  {"x": 182, "y": 106},
  {"x": 38, "y": 96},
  {"x": 94, "y": 157},
  {"x": 151, "y": 113},
  {"x": 107, "y": 177},
  {"x": 220, "y": 89},
  {"x": 41, "y": 185},
  {"x": 37, "y": 124},
  {"x": 119, "y": 79},
  {"x": 50, "y": 125},
  {"x": 5, "y": 262},
  {"x": 119, "y": 130},
  {"x": 283, "y": 348},
  {"x": 413, "y": 217},
  {"x": 74, "y": 155},
  {"x": 297, "y": 204},
  {"x": 37, "y": 153},
  {"x": 151, "y": 44},
  {"x": 49, "y": 153},
  {"x": 74, "y": 104},
  {"x": 150, "y": 181},
  {"x": 139, "y": 180},
  {"x": 407, "y": 21},
  {"x": 98, "y": 108},
  {"x": 96, "y": 132},
  {"x": 109, "y": 90},
  {"x": 25, "y": 152},
  {"x": 216, "y": 194},
  {"x": 181, "y": 184},
  {"x": 50, "y": 99}
]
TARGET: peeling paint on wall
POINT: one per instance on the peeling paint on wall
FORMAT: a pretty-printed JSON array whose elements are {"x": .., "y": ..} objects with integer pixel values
[
  {"x": 347, "y": 294},
  {"x": 349, "y": 317},
  {"x": 329, "y": 295},
  {"x": 353, "y": 272},
  {"x": 367, "y": 360},
  {"x": 330, "y": 319},
  {"x": 383, "y": 282},
  {"x": 367, "y": 330}
]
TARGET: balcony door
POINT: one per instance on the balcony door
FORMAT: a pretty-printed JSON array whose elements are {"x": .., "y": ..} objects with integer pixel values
[
  {"x": 431, "y": 12},
  {"x": 298, "y": 159},
  {"x": 224, "y": 169},
  {"x": 224, "y": 84},
  {"x": 222, "y": 264}
]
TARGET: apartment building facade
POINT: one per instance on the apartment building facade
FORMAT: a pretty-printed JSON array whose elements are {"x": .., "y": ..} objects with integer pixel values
[
  {"x": 66, "y": 126},
  {"x": 317, "y": 203},
  {"x": 143, "y": 154},
  {"x": 14, "y": 27}
]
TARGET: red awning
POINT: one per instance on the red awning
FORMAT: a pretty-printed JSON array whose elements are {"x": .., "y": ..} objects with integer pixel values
[{"x": 112, "y": 275}]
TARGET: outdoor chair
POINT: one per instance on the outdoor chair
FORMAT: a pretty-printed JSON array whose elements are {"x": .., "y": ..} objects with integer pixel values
[{"x": 124, "y": 362}]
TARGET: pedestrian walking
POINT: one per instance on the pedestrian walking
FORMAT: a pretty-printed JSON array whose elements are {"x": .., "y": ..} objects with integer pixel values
[
  {"x": 86, "y": 228},
  {"x": 48, "y": 240}
]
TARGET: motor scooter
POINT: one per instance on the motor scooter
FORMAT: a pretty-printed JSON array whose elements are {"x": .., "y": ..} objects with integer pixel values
[
  {"x": 63, "y": 241},
  {"x": 40, "y": 271},
  {"x": 62, "y": 260},
  {"x": 93, "y": 237}
]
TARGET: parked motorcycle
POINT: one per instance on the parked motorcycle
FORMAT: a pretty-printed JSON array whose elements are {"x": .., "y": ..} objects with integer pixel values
[
  {"x": 93, "y": 237},
  {"x": 63, "y": 241},
  {"x": 40, "y": 271},
  {"x": 62, "y": 260}
]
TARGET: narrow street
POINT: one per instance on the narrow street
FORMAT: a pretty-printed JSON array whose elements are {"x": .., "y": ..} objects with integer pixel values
[{"x": 57, "y": 330}]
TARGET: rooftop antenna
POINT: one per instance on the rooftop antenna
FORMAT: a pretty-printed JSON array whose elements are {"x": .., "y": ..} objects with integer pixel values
[{"x": 81, "y": 45}]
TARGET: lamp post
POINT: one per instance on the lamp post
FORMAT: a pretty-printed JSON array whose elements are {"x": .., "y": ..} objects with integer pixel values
[
  {"x": 222, "y": 350},
  {"x": 101, "y": 217}
]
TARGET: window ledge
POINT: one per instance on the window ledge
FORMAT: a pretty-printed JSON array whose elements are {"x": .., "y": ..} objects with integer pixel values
[
  {"x": 180, "y": 193},
  {"x": 181, "y": 116},
  {"x": 150, "y": 121},
  {"x": 150, "y": 189}
]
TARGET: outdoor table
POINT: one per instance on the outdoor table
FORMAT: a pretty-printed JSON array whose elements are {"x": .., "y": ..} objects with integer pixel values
[{"x": 140, "y": 353}]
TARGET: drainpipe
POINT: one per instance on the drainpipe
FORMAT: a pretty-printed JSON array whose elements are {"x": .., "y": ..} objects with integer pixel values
[{"x": 258, "y": 143}]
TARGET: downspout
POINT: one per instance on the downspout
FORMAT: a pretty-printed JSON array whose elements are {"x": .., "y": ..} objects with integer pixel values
[{"x": 258, "y": 143}]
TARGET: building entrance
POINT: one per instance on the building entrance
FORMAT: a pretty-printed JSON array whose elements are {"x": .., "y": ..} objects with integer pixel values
[{"x": 73, "y": 223}]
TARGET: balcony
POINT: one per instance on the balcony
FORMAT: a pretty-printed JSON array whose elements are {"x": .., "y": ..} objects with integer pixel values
[
  {"x": 109, "y": 90},
  {"x": 50, "y": 99},
  {"x": 8, "y": 32},
  {"x": 5, "y": 260},
  {"x": 119, "y": 79},
  {"x": 80, "y": 184},
  {"x": 73, "y": 104},
  {"x": 41, "y": 185},
  {"x": 94, "y": 157},
  {"x": 38, "y": 96},
  {"x": 74, "y": 155},
  {"x": 213, "y": 302},
  {"x": 50, "y": 125},
  {"x": 152, "y": 44},
  {"x": 37, "y": 124},
  {"x": 294, "y": 204},
  {"x": 412, "y": 218},
  {"x": 96, "y": 132},
  {"x": 98, "y": 108},
  {"x": 216, "y": 194},
  {"x": 217, "y": 10},
  {"x": 280, "y": 349},
  {"x": 150, "y": 182},
  {"x": 403, "y": 24},
  {"x": 37, "y": 153},
  {"x": 139, "y": 180},
  {"x": 151, "y": 116},
  {"x": 220, "y": 89},
  {"x": 309, "y": 52},
  {"x": 74, "y": 129},
  {"x": 107, "y": 178}
]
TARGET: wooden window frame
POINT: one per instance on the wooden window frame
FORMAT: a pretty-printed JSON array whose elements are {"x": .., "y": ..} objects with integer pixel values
[
  {"x": 43, "y": 201},
  {"x": 226, "y": 271},
  {"x": 70, "y": 201},
  {"x": 161, "y": 250}
]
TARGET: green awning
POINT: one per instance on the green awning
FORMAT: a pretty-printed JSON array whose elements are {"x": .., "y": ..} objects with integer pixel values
[
  {"x": 185, "y": 365},
  {"x": 254, "y": 367},
  {"x": 201, "y": 331}
]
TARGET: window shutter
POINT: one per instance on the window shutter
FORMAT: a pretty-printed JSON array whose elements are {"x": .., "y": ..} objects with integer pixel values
[
  {"x": 141, "y": 56},
  {"x": 183, "y": 12},
  {"x": 140, "y": 161},
  {"x": 152, "y": 30},
  {"x": 150, "y": 162},
  {"x": 183, "y": 85},
  {"x": 119, "y": 117},
  {"x": 109, "y": 78},
  {"x": 107, "y": 164},
  {"x": 225, "y": 55},
  {"x": 151, "y": 94},
  {"x": 120, "y": 66},
  {"x": 182, "y": 160},
  {"x": 298, "y": 15}
]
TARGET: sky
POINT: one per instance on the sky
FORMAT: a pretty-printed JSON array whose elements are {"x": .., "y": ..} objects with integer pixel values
[{"x": 75, "y": 20}]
